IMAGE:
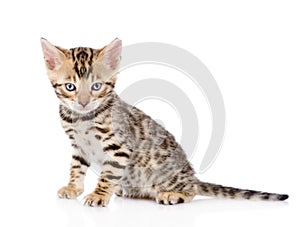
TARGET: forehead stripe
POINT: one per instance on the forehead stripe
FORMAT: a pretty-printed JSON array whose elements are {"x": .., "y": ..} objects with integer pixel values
[
  {"x": 83, "y": 59},
  {"x": 76, "y": 68},
  {"x": 91, "y": 56}
]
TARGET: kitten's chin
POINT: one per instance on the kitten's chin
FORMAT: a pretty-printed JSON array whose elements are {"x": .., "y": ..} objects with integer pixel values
[
  {"x": 81, "y": 110},
  {"x": 78, "y": 109}
]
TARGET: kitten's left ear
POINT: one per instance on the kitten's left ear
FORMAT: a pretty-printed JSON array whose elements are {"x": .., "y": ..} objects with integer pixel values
[
  {"x": 111, "y": 54},
  {"x": 53, "y": 55}
]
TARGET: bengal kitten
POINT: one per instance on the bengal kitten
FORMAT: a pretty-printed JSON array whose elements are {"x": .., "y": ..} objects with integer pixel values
[{"x": 136, "y": 156}]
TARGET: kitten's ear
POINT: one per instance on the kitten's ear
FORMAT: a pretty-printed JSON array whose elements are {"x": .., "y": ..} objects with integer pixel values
[
  {"x": 53, "y": 55},
  {"x": 111, "y": 54}
]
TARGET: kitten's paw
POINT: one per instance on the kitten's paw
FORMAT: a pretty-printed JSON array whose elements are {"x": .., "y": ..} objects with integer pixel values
[
  {"x": 119, "y": 193},
  {"x": 69, "y": 192},
  {"x": 170, "y": 198},
  {"x": 95, "y": 199}
]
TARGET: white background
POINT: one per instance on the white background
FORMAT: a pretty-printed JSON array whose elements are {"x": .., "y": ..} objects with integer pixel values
[{"x": 252, "y": 48}]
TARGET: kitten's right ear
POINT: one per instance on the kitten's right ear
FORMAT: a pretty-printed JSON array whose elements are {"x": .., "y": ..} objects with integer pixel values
[{"x": 53, "y": 56}]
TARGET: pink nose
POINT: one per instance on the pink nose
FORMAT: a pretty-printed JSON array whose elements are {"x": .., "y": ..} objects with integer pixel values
[{"x": 83, "y": 102}]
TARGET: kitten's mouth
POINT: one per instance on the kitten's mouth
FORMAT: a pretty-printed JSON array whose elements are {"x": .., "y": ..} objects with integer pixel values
[
  {"x": 83, "y": 110},
  {"x": 79, "y": 109}
]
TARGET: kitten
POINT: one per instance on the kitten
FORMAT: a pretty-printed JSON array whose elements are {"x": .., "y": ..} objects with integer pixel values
[{"x": 135, "y": 156}]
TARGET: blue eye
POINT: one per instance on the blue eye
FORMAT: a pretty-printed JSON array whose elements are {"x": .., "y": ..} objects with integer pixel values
[
  {"x": 96, "y": 86},
  {"x": 70, "y": 87}
]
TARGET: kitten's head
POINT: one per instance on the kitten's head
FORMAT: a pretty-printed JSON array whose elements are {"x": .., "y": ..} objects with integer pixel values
[{"x": 82, "y": 77}]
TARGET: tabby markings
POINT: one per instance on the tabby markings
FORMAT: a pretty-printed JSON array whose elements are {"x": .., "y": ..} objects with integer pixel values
[
  {"x": 81, "y": 160},
  {"x": 111, "y": 147},
  {"x": 114, "y": 164}
]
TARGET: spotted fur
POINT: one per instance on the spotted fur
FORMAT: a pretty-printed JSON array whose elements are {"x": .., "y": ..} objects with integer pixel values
[{"x": 133, "y": 155}]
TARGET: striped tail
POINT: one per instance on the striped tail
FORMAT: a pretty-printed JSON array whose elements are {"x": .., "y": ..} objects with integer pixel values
[{"x": 219, "y": 191}]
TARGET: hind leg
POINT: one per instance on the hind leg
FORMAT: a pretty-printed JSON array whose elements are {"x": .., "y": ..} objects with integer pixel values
[
  {"x": 181, "y": 188},
  {"x": 171, "y": 198}
]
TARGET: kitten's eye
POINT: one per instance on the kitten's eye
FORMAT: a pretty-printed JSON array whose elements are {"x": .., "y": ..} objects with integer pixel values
[
  {"x": 96, "y": 86},
  {"x": 70, "y": 87}
]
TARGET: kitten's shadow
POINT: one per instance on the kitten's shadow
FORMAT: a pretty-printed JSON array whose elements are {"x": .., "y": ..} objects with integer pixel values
[
  {"x": 124, "y": 211},
  {"x": 204, "y": 205}
]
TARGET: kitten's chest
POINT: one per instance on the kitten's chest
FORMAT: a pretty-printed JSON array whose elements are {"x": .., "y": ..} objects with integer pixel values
[{"x": 87, "y": 139}]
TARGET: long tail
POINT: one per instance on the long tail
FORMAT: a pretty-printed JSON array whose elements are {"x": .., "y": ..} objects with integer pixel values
[{"x": 215, "y": 190}]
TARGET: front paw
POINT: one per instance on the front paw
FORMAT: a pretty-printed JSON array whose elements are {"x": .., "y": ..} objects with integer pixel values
[
  {"x": 69, "y": 192},
  {"x": 95, "y": 199}
]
